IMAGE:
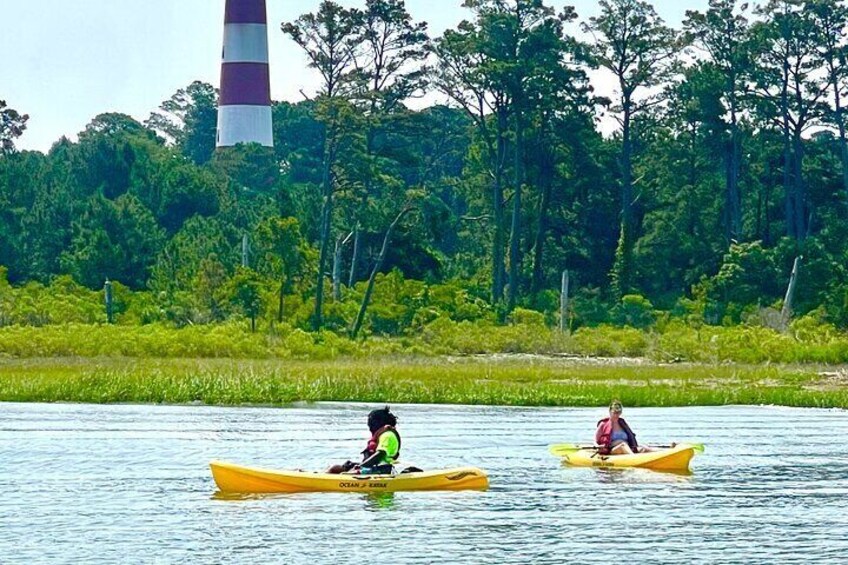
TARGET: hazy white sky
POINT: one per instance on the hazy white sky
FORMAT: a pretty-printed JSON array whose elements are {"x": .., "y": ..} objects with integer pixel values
[{"x": 63, "y": 62}]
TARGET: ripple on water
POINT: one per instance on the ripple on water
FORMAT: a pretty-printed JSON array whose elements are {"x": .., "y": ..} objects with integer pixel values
[{"x": 131, "y": 484}]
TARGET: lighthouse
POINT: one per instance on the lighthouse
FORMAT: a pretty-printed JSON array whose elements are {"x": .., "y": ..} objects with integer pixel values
[{"x": 244, "y": 106}]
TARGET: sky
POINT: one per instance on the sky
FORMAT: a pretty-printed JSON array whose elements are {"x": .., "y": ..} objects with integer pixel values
[{"x": 64, "y": 62}]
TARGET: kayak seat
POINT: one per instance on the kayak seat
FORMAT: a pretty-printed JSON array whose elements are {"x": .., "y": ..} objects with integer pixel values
[{"x": 377, "y": 470}]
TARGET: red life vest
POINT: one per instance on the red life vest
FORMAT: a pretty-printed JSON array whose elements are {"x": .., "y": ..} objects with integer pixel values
[
  {"x": 603, "y": 436},
  {"x": 375, "y": 441}
]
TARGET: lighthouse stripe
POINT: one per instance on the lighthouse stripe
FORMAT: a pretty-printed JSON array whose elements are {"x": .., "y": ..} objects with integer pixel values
[
  {"x": 244, "y": 124},
  {"x": 246, "y": 12},
  {"x": 244, "y": 105},
  {"x": 245, "y": 84},
  {"x": 245, "y": 43}
]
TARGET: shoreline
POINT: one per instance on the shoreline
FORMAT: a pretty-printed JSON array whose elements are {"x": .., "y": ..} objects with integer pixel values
[
  {"x": 303, "y": 404},
  {"x": 495, "y": 381}
]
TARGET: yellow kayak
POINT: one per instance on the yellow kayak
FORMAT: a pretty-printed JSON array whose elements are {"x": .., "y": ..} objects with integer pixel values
[
  {"x": 674, "y": 459},
  {"x": 249, "y": 480}
]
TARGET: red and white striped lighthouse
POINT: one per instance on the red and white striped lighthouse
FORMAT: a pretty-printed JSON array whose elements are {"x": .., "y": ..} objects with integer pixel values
[{"x": 244, "y": 108}]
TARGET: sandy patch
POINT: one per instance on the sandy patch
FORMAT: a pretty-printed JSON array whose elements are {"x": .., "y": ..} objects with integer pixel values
[{"x": 830, "y": 380}]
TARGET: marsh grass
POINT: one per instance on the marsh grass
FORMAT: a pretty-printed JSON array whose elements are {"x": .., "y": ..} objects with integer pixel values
[
  {"x": 522, "y": 382},
  {"x": 675, "y": 341}
]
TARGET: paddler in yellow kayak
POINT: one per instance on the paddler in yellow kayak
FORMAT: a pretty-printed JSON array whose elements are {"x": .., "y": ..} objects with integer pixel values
[
  {"x": 614, "y": 436},
  {"x": 383, "y": 449}
]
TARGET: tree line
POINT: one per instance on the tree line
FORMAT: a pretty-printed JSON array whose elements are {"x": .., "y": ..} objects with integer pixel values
[{"x": 726, "y": 163}]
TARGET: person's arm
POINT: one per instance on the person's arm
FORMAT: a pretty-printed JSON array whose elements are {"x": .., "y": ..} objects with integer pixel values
[
  {"x": 599, "y": 433},
  {"x": 345, "y": 467},
  {"x": 374, "y": 460}
]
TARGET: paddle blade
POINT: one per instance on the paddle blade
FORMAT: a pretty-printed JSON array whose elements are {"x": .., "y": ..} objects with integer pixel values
[
  {"x": 699, "y": 447},
  {"x": 563, "y": 449}
]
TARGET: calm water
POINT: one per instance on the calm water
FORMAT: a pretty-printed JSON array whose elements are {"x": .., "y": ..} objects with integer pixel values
[{"x": 131, "y": 484}]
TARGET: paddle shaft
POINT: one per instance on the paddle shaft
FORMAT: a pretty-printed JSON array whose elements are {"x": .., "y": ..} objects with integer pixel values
[{"x": 571, "y": 447}]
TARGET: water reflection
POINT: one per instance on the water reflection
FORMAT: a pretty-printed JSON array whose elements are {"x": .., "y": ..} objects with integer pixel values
[
  {"x": 374, "y": 501},
  {"x": 631, "y": 476},
  {"x": 379, "y": 501},
  {"x": 240, "y": 497}
]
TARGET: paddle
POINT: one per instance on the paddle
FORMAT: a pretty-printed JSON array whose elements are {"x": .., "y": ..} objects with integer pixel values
[{"x": 562, "y": 449}]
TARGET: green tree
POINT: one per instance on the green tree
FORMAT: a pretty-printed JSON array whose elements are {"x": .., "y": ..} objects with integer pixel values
[
  {"x": 185, "y": 191},
  {"x": 298, "y": 141},
  {"x": 790, "y": 89},
  {"x": 59, "y": 200},
  {"x": 522, "y": 39},
  {"x": 189, "y": 121},
  {"x": 12, "y": 126},
  {"x": 633, "y": 43},
  {"x": 252, "y": 180},
  {"x": 722, "y": 32},
  {"x": 118, "y": 240},
  {"x": 390, "y": 69},
  {"x": 439, "y": 138},
  {"x": 244, "y": 290},
  {"x": 328, "y": 38},
  {"x": 208, "y": 285},
  {"x": 22, "y": 180},
  {"x": 748, "y": 275},
  {"x": 830, "y": 20},
  {"x": 284, "y": 254},
  {"x": 463, "y": 74},
  {"x": 558, "y": 116},
  {"x": 251, "y": 169},
  {"x": 112, "y": 149},
  {"x": 369, "y": 290},
  {"x": 178, "y": 264},
  {"x": 684, "y": 212}
]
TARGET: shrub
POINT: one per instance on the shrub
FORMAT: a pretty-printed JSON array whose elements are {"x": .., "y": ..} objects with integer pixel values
[
  {"x": 608, "y": 341},
  {"x": 524, "y": 317},
  {"x": 589, "y": 309},
  {"x": 635, "y": 311}
]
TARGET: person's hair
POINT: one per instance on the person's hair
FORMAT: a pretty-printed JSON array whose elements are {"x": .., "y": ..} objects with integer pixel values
[
  {"x": 381, "y": 417},
  {"x": 616, "y": 403}
]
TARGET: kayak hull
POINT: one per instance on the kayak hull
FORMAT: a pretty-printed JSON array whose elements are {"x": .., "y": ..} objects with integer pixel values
[
  {"x": 233, "y": 478},
  {"x": 674, "y": 459}
]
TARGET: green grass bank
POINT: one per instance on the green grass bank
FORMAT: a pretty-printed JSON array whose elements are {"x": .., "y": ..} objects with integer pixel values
[{"x": 519, "y": 381}]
